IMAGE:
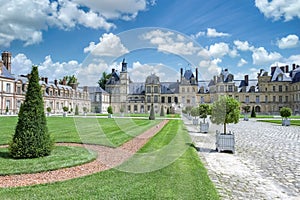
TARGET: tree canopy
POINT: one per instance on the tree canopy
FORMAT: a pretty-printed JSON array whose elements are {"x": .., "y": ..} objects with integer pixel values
[{"x": 225, "y": 110}]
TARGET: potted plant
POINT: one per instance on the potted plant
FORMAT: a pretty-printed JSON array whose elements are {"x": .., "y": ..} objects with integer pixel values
[
  {"x": 122, "y": 110},
  {"x": 246, "y": 110},
  {"x": 188, "y": 110},
  {"x": 48, "y": 111},
  {"x": 195, "y": 114},
  {"x": 65, "y": 109},
  {"x": 110, "y": 111},
  {"x": 204, "y": 111},
  {"x": 84, "y": 110},
  {"x": 285, "y": 113},
  {"x": 225, "y": 110}
]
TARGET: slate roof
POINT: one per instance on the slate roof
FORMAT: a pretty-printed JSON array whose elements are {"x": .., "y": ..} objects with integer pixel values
[
  {"x": 6, "y": 74},
  {"x": 96, "y": 89},
  {"x": 137, "y": 88},
  {"x": 169, "y": 87},
  {"x": 279, "y": 73}
]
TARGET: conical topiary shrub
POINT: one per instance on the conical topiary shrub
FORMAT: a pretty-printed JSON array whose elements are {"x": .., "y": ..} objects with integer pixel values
[
  {"x": 76, "y": 110},
  {"x": 162, "y": 111},
  {"x": 253, "y": 113},
  {"x": 31, "y": 138},
  {"x": 152, "y": 114}
]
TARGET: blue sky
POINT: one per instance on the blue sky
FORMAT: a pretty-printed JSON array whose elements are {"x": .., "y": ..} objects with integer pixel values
[{"x": 87, "y": 37}]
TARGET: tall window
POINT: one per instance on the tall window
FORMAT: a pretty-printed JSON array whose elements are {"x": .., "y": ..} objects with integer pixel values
[
  {"x": 155, "y": 99},
  {"x": 280, "y": 88},
  {"x": 274, "y": 98},
  {"x": 286, "y": 99},
  {"x": 148, "y": 89},
  {"x": 274, "y": 88},
  {"x": 18, "y": 90},
  {"x": 8, "y": 87},
  {"x": 280, "y": 99},
  {"x": 266, "y": 98},
  {"x": 257, "y": 99},
  {"x": 247, "y": 99},
  {"x": 230, "y": 88},
  {"x": 169, "y": 100},
  {"x": 163, "y": 99},
  {"x": 155, "y": 89}
]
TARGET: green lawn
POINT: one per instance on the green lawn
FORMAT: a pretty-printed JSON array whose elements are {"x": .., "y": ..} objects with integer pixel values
[
  {"x": 184, "y": 178},
  {"x": 293, "y": 122},
  {"x": 110, "y": 132},
  {"x": 60, "y": 157}
]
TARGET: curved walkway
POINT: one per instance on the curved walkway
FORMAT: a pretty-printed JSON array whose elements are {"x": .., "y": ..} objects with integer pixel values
[
  {"x": 107, "y": 158},
  {"x": 265, "y": 165}
]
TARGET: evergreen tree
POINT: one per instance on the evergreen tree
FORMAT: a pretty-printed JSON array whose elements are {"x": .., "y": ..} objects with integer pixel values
[
  {"x": 76, "y": 110},
  {"x": 152, "y": 114},
  {"x": 162, "y": 111},
  {"x": 253, "y": 114},
  {"x": 31, "y": 138}
]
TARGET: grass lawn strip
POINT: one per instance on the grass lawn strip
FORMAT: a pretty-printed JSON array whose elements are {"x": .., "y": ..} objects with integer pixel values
[
  {"x": 61, "y": 157},
  {"x": 293, "y": 122},
  {"x": 107, "y": 158},
  {"x": 186, "y": 178}
]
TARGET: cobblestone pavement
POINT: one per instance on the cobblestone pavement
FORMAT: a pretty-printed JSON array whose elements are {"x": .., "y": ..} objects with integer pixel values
[{"x": 266, "y": 164}]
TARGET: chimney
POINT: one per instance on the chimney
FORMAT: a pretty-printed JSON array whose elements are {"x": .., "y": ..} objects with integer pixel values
[
  {"x": 197, "y": 75},
  {"x": 294, "y": 66},
  {"x": 42, "y": 79},
  {"x": 286, "y": 69},
  {"x": 1, "y": 65},
  {"x": 181, "y": 72},
  {"x": 124, "y": 66},
  {"x": 85, "y": 88},
  {"x": 282, "y": 68},
  {"x": 112, "y": 70},
  {"x": 46, "y": 80},
  {"x": 64, "y": 82},
  {"x": 6, "y": 57},
  {"x": 297, "y": 66},
  {"x": 246, "y": 80},
  {"x": 273, "y": 70},
  {"x": 55, "y": 82}
]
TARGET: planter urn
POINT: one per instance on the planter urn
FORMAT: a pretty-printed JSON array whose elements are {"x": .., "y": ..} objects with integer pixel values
[{"x": 225, "y": 142}]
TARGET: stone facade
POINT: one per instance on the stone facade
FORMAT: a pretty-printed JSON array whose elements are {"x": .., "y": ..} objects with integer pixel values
[
  {"x": 56, "y": 96},
  {"x": 267, "y": 94}
]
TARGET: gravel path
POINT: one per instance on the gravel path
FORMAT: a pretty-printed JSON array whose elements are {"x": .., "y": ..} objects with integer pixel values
[
  {"x": 107, "y": 158},
  {"x": 266, "y": 164}
]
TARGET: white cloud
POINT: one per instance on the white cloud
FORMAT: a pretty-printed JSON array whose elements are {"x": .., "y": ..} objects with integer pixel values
[
  {"x": 167, "y": 41},
  {"x": 288, "y": 42},
  {"x": 218, "y": 50},
  {"x": 243, "y": 46},
  {"x": 20, "y": 64},
  {"x": 26, "y": 20},
  {"x": 211, "y": 32},
  {"x": 139, "y": 72},
  {"x": 278, "y": 9},
  {"x": 209, "y": 68},
  {"x": 261, "y": 57},
  {"x": 109, "y": 45},
  {"x": 242, "y": 62},
  {"x": 117, "y": 9},
  {"x": 197, "y": 35},
  {"x": 294, "y": 59}
]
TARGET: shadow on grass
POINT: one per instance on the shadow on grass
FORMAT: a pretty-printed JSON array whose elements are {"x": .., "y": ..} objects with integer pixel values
[
  {"x": 198, "y": 149},
  {"x": 4, "y": 155}
]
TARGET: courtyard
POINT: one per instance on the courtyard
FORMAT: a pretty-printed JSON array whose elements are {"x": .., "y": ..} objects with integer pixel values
[{"x": 264, "y": 166}]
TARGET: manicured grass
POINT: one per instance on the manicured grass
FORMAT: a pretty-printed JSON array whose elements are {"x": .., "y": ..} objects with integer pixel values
[
  {"x": 184, "y": 178},
  {"x": 110, "y": 132},
  {"x": 60, "y": 157},
  {"x": 293, "y": 122}
]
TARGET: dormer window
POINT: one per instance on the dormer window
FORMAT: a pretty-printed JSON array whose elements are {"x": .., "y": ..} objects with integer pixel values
[{"x": 280, "y": 77}]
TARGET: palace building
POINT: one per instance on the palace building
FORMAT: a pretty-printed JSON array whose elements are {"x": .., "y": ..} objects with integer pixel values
[
  {"x": 267, "y": 94},
  {"x": 56, "y": 96}
]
